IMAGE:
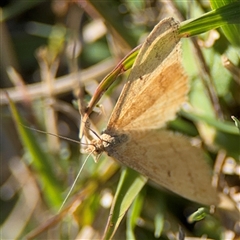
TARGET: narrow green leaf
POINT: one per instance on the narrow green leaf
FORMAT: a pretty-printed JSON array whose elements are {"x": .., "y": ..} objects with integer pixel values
[
  {"x": 226, "y": 134},
  {"x": 232, "y": 32},
  {"x": 129, "y": 186},
  {"x": 133, "y": 215},
  {"x": 41, "y": 161},
  {"x": 124, "y": 65},
  {"x": 159, "y": 223},
  {"x": 226, "y": 127},
  {"x": 237, "y": 122},
  {"x": 16, "y": 8},
  {"x": 228, "y": 14},
  {"x": 159, "y": 218},
  {"x": 198, "y": 215}
]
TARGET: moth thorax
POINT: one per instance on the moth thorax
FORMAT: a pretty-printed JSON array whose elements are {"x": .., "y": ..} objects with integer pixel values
[
  {"x": 106, "y": 143},
  {"x": 112, "y": 141}
]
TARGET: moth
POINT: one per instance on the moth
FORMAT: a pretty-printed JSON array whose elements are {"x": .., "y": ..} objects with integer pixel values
[{"x": 155, "y": 90}]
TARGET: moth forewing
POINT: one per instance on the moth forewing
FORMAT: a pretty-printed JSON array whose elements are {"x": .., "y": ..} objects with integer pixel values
[{"x": 157, "y": 84}]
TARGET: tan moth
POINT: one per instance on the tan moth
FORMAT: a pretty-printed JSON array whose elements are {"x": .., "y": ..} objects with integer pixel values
[{"x": 156, "y": 88}]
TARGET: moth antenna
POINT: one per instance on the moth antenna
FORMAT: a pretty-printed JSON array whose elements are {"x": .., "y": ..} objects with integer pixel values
[
  {"x": 55, "y": 135},
  {"x": 74, "y": 183}
]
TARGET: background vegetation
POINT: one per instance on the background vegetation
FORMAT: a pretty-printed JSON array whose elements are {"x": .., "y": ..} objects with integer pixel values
[{"x": 55, "y": 52}]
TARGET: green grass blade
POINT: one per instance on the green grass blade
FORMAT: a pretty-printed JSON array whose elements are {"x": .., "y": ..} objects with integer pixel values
[
  {"x": 232, "y": 32},
  {"x": 124, "y": 65},
  {"x": 237, "y": 122},
  {"x": 159, "y": 224},
  {"x": 198, "y": 215},
  {"x": 226, "y": 127},
  {"x": 159, "y": 217},
  {"x": 16, "y": 8},
  {"x": 133, "y": 215},
  {"x": 226, "y": 135},
  {"x": 41, "y": 161},
  {"x": 129, "y": 186},
  {"x": 228, "y": 14}
]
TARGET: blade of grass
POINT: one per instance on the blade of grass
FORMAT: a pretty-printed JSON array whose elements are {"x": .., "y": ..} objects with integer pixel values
[
  {"x": 226, "y": 135},
  {"x": 198, "y": 215},
  {"x": 125, "y": 64},
  {"x": 228, "y": 14},
  {"x": 159, "y": 224},
  {"x": 16, "y": 8},
  {"x": 129, "y": 186},
  {"x": 41, "y": 161},
  {"x": 133, "y": 215},
  {"x": 226, "y": 127},
  {"x": 232, "y": 32},
  {"x": 159, "y": 217},
  {"x": 237, "y": 122}
]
